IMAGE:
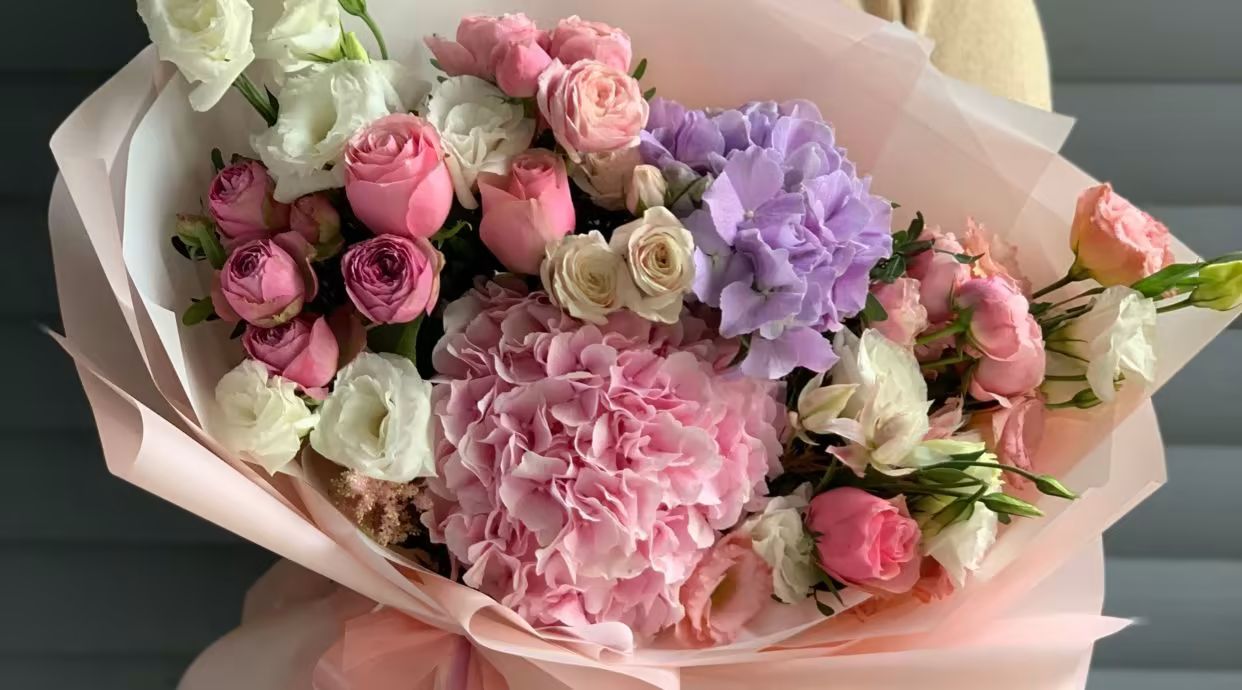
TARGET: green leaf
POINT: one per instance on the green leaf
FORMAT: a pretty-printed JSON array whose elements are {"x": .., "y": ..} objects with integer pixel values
[
  {"x": 946, "y": 475},
  {"x": 216, "y": 256},
  {"x": 398, "y": 339},
  {"x": 950, "y": 514},
  {"x": 1040, "y": 308},
  {"x": 199, "y": 311},
  {"x": 641, "y": 69},
  {"x": 238, "y": 330},
  {"x": 1159, "y": 282},
  {"x": 916, "y": 226},
  {"x": 1051, "y": 486},
  {"x": 966, "y": 458},
  {"x": 217, "y": 159},
  {"x": 874, "y": 312},
  {"x": 824, "y": 609},
  {"x": 273, "y": 102},
  {"x": 649, "y": 94},
  {"x": 182, "y": 248},
  {"x": 1004, "y": 518},
  {"x": 436, "y": 63},
  {"x": 447, "y": 233},
  {"x": 1010, "y": 505},
  {"x": 917, "y": 247},
  {"x": 961, "y": 258}
]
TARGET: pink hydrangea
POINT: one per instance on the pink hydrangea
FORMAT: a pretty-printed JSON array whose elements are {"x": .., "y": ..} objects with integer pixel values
[{"x": 585, "y": 470}]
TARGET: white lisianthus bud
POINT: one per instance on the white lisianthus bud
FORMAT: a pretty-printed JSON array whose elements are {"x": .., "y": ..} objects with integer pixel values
[
  {"x": 259, "y": 416},
  {"x": 296, "y": 34},
  {"x": 377, "y": 421},
  {"x": 780, "y": 538},
  {"x": 208, "y": 40},
  {"x": 345, "y": 96},
  {"x": 659, "y": 253},
  {"x": 646, "y": 189},
  {"x": 481, "y": 130},
  {"x": 585, "y": 277},
  {"x": 1220, "y": 287},
  {"x": 1116, "y": 338}
]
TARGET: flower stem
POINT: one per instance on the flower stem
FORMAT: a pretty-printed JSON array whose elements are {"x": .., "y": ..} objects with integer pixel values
[
  {"x": 947, "y": 361},
  {"x": 1068, "y": 279},
  {"x": 1188, "y": 302},
  {"x": 951, "y": 329},
  {"x": 1088, "y": 293},
  {"x": 379, "y": 35},
  {"x": 1080, "y": 377},
  {"x": 256, "y": 99}
]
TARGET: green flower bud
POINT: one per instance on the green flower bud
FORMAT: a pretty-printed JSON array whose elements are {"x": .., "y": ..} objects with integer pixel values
[
  {"x": 1009, "y": 505},
  {"x": 352, "y": 48},
  {"x": 354, "y": 7},
  {"x": 1220, "y": 287}
]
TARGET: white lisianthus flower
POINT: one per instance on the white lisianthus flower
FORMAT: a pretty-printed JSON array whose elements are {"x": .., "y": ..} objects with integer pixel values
[
  {"x": 481, "y": 130},
  {"x": 961, "y": 547},
  {"x": 208, "y": 40},
  {"x": 583, "y": 276},
  {"x": 780, "y": 538},
  {"x": 659, "y": 253},
  {"x": 886, "y": 417},
  {"x": 319, "y": 111},
  {"x": 260, "y": 416},
  {"x": 1116, "y": 338},
  {"x": 819, "y": 406},
  {"x": 377, "y": 421},
  {"x": 292, "y": 33}
]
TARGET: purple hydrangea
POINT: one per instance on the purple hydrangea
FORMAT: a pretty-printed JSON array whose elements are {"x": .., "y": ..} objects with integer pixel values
[{"x": 786, "y": 234}]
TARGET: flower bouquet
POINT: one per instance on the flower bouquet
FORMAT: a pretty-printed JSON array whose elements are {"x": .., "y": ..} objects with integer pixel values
[{"x": 577, "y": 366}]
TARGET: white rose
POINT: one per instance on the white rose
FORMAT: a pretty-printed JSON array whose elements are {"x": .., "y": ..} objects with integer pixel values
[
  {"x": 292, "y": 33},
  {"x": 605, "y": 176},
  {"x": 659, "y": 254},
  {"x": 260, "y": 416},
  {"x": 377, "y": 421},
  {"x": 961, "y": 547},
  {"x": 779, "y": 537},
  {"x": 1116, "y": 338},
  {"x": 886, "y": 417},
  {"x": 481, "y": 129},
  {"x": 585, "y": 277},
  {"x": 208, "y": 40},
  {"x": 646, "y": 189},
  {"x": 319, "y": 111}
]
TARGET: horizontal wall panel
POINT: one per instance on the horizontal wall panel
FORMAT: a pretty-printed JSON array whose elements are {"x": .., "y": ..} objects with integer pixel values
[
  {"x": 1162, "y": 143},
  {"x": 1180, "y": 679},
  {"x": 92, "y": 671},
  {"x": 1202, "y": 405}
]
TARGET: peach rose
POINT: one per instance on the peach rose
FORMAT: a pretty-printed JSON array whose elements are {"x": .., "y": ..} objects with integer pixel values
[
  {"x": 591, "y": 107},
  {"x": 1114, "y": 241},
  {"x": 907, "y": 317}
]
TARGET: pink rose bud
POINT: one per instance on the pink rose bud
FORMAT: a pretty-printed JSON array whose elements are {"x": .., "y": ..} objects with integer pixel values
[
  {"x": 241, "y": 202},
  {"x": 998, "y": 316},
  {"x": 591, "y": 107},
  {"x": 265, "y": 284},
  {"x": 865, "y": 540},
  {"x": 393, "y": 279},
  {"x": 1114, "y": 241},
  {"x": 318, "y": 222},
  {"x": 1000, "y": 380},
  {"x": 907, "y": 317},
  {"x": 303, "y": 350},
  {"x": 730, "y": 586},
  {"x": 1015, "y": 431},
  {"x": 939, "y": 274},
  {"x": 575, "y": 39},
  {"x": 527, "y": 210},
  {"x": 396, "y": 179},
  {"x": 508, "y": 49}
]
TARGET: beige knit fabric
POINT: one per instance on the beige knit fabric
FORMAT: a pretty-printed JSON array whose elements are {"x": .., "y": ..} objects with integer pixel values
[{"x": 997, "y": 44}]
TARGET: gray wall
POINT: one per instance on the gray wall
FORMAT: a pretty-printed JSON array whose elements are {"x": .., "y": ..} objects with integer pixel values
[{"x": 102, "y": 586}]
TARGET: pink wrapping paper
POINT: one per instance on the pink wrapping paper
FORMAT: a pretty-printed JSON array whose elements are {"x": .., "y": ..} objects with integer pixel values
[{"x": 993, "y": 159}]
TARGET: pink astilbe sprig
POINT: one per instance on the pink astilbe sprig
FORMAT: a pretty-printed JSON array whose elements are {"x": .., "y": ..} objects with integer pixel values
[{"x": 387, "y": 511}]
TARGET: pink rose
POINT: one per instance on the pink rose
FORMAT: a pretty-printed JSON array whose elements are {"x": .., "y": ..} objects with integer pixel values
[
  {"x": 1014, "y": 432},
  {"x": 1000, "y": 380},
  {"x": 907, "y": 317},
  {"x": 266, "y": 282},
  {"x": 396, "y": 179},
  {"x": 508, "y": 49},
  {"x": 994, "y": 256},
  {"x": 939, "y": 274},
  {"x": 575, "y": 39},
  {"x": 730, "y": 586},
  {"x": 318, "y": 222},
  {"x": 241, "y": 202},
  {"x": 526, "y": 210},
  {"x": 303, "y": 350},
  {"x": 591, "y": 107},
  {"x": 998, "y": 316},
  {"x": 865, "y": 540},
  {"x": 393, "y": 279},
  {"x": 1115, "y": 242}
]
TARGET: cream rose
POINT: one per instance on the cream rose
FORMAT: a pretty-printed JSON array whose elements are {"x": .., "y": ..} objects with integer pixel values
[
  {"x": 377, "y": 421},
  {"x": 259, "y": 416},
  {"x": 645, "y": 189},
  {"x": 319, "y": 111},
  {"x": 293, "y": 33},
  {"x": 208, "y": 40},
  {"x": 1116, "y": 338},
  {"x": 605, "y": 177},
  {"x": 585, "y": 277},
  {"x": 481, "y": 130},
  {"x": 780, "y": 538},
  {"x": 659, "y": 255}
]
